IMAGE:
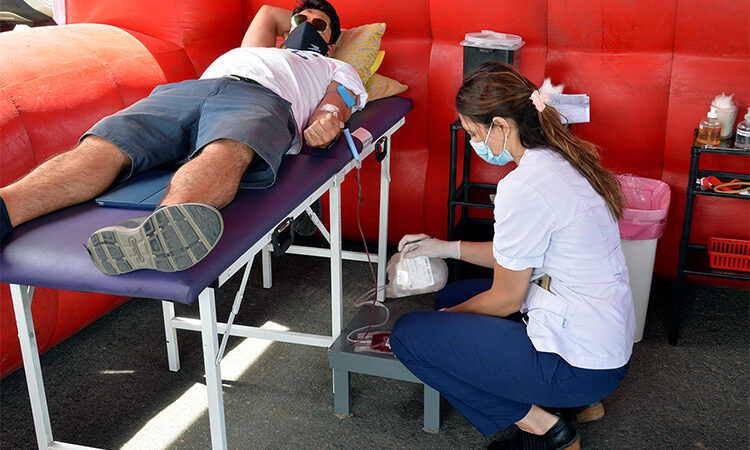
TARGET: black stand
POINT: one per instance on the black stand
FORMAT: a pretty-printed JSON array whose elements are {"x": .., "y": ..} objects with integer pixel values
[{"x": 694, "y": 259}]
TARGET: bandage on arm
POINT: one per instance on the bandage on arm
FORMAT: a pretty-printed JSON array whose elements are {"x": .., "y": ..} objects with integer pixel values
[{"x": 333, "y": 101}]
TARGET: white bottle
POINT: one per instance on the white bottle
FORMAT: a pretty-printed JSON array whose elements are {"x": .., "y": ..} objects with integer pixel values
[{"x": 743, "y": 132}]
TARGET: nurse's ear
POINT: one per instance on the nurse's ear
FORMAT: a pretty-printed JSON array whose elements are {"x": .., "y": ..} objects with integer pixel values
[{"x": 502, "y": 123}]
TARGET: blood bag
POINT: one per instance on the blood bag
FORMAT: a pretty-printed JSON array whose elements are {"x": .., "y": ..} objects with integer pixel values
[{"x": 413, "y": 276}]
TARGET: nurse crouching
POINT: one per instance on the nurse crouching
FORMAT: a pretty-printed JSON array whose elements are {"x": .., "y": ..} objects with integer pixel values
[{"x": 507, "y": 351}]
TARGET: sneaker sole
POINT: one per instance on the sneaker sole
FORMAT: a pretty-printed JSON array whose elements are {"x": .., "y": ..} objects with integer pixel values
[{"x": 173, "y": 238}]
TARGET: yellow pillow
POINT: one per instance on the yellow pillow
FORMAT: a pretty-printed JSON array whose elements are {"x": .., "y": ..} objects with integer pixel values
[
  {"x": 378, "y": 61},
  {"x": 359, "y": 47},
  {"x": 379, "y": 86}
]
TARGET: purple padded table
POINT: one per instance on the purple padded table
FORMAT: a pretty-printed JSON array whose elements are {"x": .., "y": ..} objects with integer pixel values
[{"x": 49, "y": 252}]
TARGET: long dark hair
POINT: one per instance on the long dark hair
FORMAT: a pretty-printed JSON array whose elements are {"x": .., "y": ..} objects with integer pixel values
[
  {"x": 495, "y": 89},
  {"x": 328, "y": 9}
]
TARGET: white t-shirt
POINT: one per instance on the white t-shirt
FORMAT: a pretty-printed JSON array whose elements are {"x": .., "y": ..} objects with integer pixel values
[
  {"x": 299, "y": 77},
  {"x": 547, "y": 216}
]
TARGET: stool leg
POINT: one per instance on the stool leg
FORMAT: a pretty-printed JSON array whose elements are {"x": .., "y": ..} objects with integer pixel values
[
  {"x": 341, "y": 379},
  {"x": 431, "y": 409}
]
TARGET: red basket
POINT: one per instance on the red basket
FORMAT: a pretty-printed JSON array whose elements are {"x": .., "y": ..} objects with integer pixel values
[{"x": 731, "y": 254}]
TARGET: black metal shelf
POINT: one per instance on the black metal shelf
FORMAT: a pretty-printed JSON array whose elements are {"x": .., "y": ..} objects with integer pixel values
[
  {"x": 697, "y": 190},
  {"x": 720, "y": 194},
  {"x": 468, "y": 195},
  {"x": 723, "y": 150},
  {"x": 478, "y": 195},
  {"x": 708, "y": 173},
  {"x": 697, "y": 263},
  {"x": 725, "y": 147},
  {"x": 694, "y": 258}
]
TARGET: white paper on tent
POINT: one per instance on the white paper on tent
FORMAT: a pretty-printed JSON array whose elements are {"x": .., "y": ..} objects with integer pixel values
[{"x": 573, "y": 108}]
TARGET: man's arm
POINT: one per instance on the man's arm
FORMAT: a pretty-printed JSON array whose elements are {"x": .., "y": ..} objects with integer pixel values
[
  {"x": 269, "y": 23},
  {"x": 328, "y": 119}
]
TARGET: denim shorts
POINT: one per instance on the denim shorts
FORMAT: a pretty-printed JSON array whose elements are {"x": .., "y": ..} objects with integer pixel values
[{"x": 177, "y": 120}]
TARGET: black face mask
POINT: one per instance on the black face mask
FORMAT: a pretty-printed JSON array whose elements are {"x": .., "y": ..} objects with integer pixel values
[{"x": 305, "y": 37}]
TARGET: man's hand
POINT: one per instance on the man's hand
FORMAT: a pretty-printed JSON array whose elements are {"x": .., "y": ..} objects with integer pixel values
[{"x": 323, "y": 130}]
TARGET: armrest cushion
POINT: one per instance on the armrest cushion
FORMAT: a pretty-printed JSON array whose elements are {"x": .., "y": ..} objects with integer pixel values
[{"x": 55, "y": 82}]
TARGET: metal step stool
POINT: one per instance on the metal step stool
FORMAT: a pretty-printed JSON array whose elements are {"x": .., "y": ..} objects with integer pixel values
[{"x": 343, "y": 360}]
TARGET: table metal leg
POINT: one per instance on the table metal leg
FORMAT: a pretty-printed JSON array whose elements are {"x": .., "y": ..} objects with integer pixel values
[
  {"x": 266, "y": 266},
  {"x": 337, "y": 284},
  {"x": 383, "y": 226},
  {"x": 170, "y": 332},
  {"x": 22, "y": 296},
  {"x": 210, "y": 338}
]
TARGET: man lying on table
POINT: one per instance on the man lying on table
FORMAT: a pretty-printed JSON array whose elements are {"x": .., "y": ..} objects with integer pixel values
[{"x": 227, "y": 130}]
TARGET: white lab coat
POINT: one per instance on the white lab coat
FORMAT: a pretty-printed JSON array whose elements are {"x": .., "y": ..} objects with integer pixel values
[{"x": 547, "y": 216}]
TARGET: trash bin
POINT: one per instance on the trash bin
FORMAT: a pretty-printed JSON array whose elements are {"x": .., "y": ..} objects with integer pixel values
[{"x": 646, "y": 203}]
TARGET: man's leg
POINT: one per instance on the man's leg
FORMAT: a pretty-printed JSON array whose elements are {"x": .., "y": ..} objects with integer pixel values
[
  {"x": 212, "y": 177},
  {"x": 186, "y": 226},
  {"x": 64, "y": 180}
]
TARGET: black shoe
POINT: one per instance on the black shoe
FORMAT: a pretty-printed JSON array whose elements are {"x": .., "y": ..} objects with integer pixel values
[
  {"x": 172, "y": 238},
  {"x": 561, "y": 436},
  {"x": 580, "y": 414},
  {"x": 303, "y": 224},
  {"x": 5, "y": 226}
]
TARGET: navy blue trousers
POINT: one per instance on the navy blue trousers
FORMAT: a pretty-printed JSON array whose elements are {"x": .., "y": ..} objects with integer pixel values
[{"x": 487, "y": 367}]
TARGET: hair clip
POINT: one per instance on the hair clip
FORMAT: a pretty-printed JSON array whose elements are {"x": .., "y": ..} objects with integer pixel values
[{"x": 539, "y": 99}]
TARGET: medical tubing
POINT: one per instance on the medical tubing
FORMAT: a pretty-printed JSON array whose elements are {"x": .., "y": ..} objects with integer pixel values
[
  {"x": 373, "y": 291},
  {"x": 361, "y": 301},
  {"x": 367, "y": 327},
  {"x": 367, "y": 252}
]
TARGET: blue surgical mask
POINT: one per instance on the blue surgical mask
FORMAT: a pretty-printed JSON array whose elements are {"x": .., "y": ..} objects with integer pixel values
[{"x": 484, "y": 152}]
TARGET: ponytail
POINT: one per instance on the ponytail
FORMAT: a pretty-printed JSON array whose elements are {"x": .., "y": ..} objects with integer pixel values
[
  {"x": 498, "y": 90},
  {"x": 584, "y": 157}
]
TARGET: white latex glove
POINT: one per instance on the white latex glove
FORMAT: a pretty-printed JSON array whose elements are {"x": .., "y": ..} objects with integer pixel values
[{"x": 413, "y": 245}]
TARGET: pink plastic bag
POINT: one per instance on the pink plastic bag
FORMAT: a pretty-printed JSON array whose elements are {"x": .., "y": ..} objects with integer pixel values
[{"x": 646, "y": 208}]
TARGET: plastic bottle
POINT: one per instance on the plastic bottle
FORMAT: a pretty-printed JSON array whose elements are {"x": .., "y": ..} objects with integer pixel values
[
  {"x": 743, "y": 133},
  {"x": 709, "y": 129}
]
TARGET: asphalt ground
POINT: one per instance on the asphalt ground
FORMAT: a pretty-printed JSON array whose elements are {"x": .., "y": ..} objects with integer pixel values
[{"x": 109, "y": 386}]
